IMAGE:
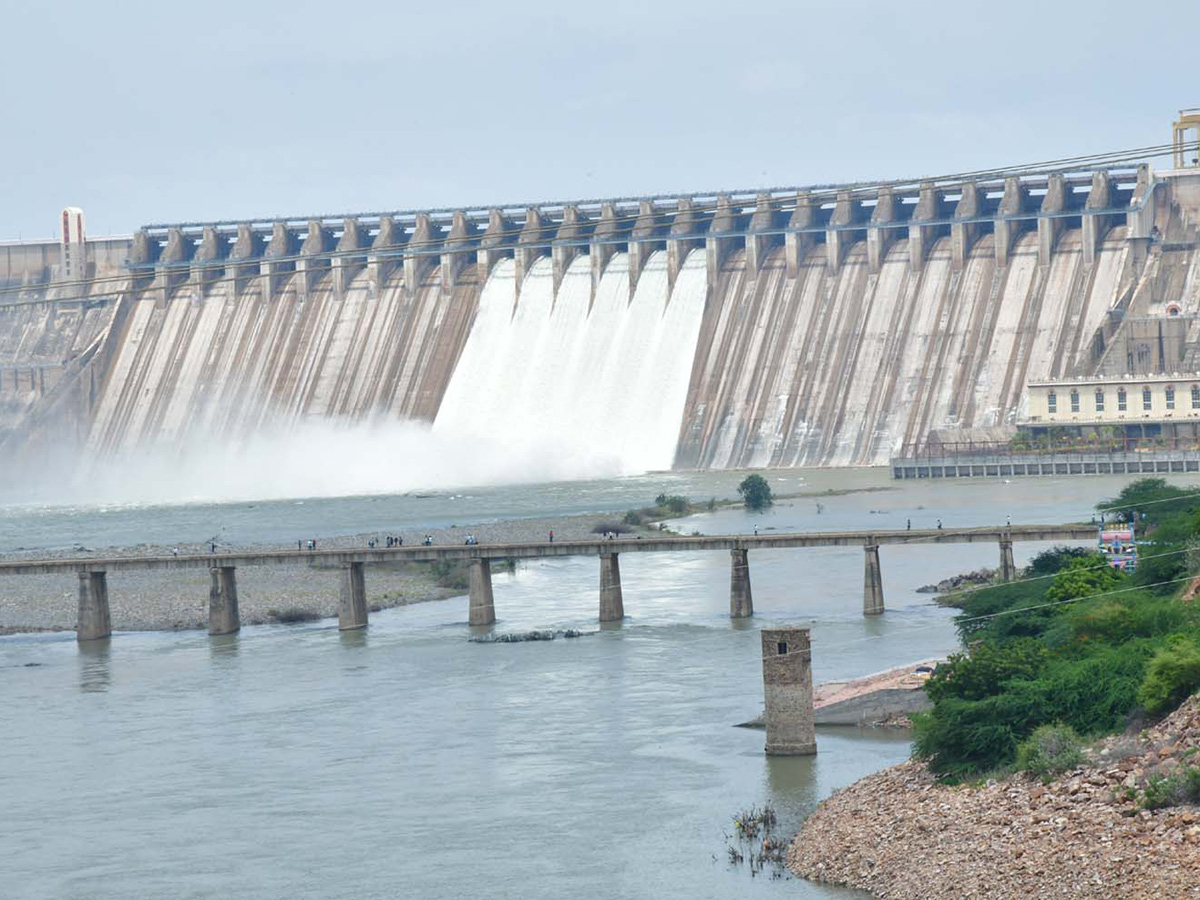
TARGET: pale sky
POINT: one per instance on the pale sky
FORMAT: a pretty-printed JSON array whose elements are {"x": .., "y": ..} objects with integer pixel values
[{"x": 157, "y": 112}]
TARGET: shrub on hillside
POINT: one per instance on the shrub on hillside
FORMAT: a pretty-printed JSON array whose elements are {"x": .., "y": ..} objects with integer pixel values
[
  {"x": 1049, "y": 750},
  {"x": 1160, "y": 567},
  {"x": 1175, "y": 789},
  {"x": 1172, "y": 675},
  {"x": 1093, "y": 694},
  {"x": 1083, "y": 576},
  {"x": 1050, "y": 561},
  {"x": 986, "y": 670}
]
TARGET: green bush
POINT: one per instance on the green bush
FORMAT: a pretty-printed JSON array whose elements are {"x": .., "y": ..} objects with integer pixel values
[
  {"x": 633, "y": 517},
  {"x": 1094, "y": 694},
  {"x": 986, "y": 670},
  {"x": 1172, "y": 675},
  {"x": 1050, "y": 561},
  {"x": 674, "y": 503},
  {"x": 1083, "y": 576},
  {"x": 1049, "y": 750},
  {"x": 755, "y": 492},
  {"x": 1047, "y": 651},
  {"x": 1182, "y": 786},
  {"x": 1160, "y": 566},
  {"x": 614, "y": 527},
  {"x": 293, "y": 615}
]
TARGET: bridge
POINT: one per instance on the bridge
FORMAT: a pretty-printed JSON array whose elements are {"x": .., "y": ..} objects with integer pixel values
[{"x": 94, "y": 620}]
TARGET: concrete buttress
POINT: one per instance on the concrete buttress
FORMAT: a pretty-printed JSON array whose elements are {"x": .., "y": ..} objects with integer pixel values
[
  {"x": 879, "y": 238},
  {"x": 741, "y": 602},
  {"x": 352, "y": 610},
  {"x": 1050, "y": 225},
  {"x": 796, "y": 242},
  {"x": 1094, "y": 224},
  {"x": 94, "y": 622},
  {"x": 872, "y": 581},
  {"x": 838, "y": 238},
  {"x": 612, "y": 605},
  {"x": 1006, "y": 229},
  {"x": 223, "y": 615},
  {"x": 483, "y": 607}
]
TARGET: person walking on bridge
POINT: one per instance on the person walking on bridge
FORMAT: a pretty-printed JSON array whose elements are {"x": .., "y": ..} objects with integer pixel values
[{"x": 552, "y": 535}]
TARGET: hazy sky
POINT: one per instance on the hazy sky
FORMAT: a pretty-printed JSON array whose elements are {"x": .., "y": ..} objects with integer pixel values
[{"x": 150, "y": 112}]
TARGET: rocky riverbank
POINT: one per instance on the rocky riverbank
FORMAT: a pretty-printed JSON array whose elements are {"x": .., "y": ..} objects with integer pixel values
[
  {"x": 902, "y": 836},
  {"x": 958, "y": 582},
  {"x": 154, "y": 600}
]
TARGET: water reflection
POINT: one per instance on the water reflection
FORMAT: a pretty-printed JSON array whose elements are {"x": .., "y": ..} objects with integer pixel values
[
  {"x": 94, "y": 672},
  {"x": 223, "y": 648},
  {"x": 353, "y": 639}
]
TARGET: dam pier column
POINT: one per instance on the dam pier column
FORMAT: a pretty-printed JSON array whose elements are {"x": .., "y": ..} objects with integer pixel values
[
  {"x": 1008, "y": 568},
  {"x": 741, "y": 602},
  {"x": 483, "y": 608},
  {"x": 352, "y": 610},
  {"x": 872, "y": 580},
  {"x": 223, "y": 601},
  {"x": 94, "y": 621},
  {"x": 612, "y": 605}
]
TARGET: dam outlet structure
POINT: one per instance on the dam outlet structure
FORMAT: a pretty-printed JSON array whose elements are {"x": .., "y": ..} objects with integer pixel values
[{"x": 820, "y": 326}]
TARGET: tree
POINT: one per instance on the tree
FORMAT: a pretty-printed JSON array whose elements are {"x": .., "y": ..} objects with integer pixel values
[{"x": 755, "y": 491}]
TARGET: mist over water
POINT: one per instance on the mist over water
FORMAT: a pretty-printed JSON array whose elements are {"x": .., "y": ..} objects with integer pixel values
[
  {"x": 315, "y": 458},
  {"x": 562, "y": 386}
]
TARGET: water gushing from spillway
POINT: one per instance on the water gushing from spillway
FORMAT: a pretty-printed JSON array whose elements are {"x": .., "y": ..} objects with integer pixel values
[{"x": 600, "y": 381}]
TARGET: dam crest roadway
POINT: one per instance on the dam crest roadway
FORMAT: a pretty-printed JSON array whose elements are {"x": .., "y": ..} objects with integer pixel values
[{"x": 94, "y": 620}]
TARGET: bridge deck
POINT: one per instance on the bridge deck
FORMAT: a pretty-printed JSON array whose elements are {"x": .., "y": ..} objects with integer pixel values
[{"x": 535, "y": 549}]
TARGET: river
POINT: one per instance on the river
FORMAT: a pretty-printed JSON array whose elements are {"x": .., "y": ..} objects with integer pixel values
[{"x": 297, "y": 761}]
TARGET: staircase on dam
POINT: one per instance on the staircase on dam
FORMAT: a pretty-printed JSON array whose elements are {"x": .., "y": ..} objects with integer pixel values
[{"x": 813, "y": 327}]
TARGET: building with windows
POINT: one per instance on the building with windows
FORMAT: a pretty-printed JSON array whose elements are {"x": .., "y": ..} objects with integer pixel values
[{"x": 1164, "y": 405}]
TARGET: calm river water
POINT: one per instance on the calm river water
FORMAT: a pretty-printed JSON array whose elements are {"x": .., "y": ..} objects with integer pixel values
[{"x": 404, "y": 761}]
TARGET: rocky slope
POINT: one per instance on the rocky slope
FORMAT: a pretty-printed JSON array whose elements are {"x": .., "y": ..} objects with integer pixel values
[{"x": 902, "y": 836}]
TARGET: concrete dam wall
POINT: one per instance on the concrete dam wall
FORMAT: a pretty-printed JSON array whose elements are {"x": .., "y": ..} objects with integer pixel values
[{"x": 827, "y": 326}]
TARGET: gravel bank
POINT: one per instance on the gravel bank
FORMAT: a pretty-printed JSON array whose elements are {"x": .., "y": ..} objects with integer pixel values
[
  {"x": 902, "y": 836},
  {"x": 151, "y": 600}
]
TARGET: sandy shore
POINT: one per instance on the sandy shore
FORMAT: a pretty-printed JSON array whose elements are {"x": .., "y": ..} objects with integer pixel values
[
  {"x": 831, "y": 692},
  {"x": 152, "y": 600}
]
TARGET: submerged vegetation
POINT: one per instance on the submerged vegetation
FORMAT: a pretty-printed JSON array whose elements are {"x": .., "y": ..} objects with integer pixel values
[
  {"x": 745, "y": 844},
  {"x": 1075, "y": 648}
]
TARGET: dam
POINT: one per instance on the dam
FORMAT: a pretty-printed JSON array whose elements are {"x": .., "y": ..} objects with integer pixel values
[{"x": 821, "y": 326}]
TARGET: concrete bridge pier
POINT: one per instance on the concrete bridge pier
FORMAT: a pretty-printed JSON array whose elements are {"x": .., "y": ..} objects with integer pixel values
[
  {"x": 352, "y": 610},
  {"x": 872, "y": 581},
  {"x": 483, "y": 608},
  {"x": 741, "y": 602},
  {"x": 94, "y": 622},
  {"x": 612, "y": 605},
  {"x": 1008, "y": 568},
  {"x": 223, "y": 602}
]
